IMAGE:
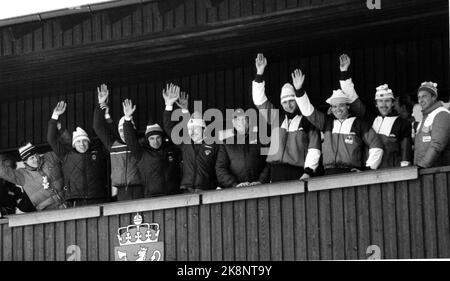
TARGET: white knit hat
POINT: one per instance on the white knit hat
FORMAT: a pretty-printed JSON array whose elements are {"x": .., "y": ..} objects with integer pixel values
[
  {"x": 79, "y": 134},
  {"x": 287, "y": 93},
  {"x": 383, "y": 92},
  {"x": 153, "y": 129},
  {"x": 337, "y": 97},
  {"x": 196, "y": 120}
]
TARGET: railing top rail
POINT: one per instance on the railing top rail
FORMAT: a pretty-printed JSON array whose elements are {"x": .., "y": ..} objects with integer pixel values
[{"x": 224, "y": 195}]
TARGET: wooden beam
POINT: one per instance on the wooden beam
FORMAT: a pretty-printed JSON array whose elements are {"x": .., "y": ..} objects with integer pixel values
[
  {"x": 54, "y": 216},
  {"x": 150, "y": 204},
  {"x": 434, "y": 170},
  {"x": 362, "y": 178},
  {"x": 266, "y": 190}
]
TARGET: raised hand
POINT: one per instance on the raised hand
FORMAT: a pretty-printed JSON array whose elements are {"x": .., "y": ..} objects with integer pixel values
[
  {"x": 171, "y": 94},
  {"x": 128, "y": 108},
  {"x": 183, "y": 100},
  {"x": 297, "y": 79},
  {"x": 103, "y": 94},
  {"x": 344, "y": 62},
  {"x": 260, "y": 63},
  {"x": 60, "y": 108}
]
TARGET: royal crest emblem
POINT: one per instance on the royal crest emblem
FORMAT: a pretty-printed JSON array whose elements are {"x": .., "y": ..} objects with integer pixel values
[{"x": 139, "y": 242}]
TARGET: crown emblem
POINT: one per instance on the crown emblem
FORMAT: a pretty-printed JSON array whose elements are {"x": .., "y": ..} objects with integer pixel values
[{"x": 138, "y": 232}]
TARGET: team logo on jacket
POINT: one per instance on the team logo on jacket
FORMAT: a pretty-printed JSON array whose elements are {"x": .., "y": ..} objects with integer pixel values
[
  {"x": 94, "y": 155},
  {"x": 207, "y": 152},
  {"x": 349, "y": 139},
  {"x": 170, "y": 158},
  {"x": 139, "y": 242}
]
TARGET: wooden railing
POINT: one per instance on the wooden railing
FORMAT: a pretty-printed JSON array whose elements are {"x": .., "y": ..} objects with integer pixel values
[{"x": 389, "y": 214}]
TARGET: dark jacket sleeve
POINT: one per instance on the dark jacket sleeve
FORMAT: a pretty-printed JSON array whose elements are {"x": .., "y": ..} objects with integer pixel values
[
  {"x": 52, "y": 138},
  {"x": 132, "y": 140},
  {"x": 168, "y": 124},
  {"x": 224, "y": 176},
  {"x": 264, "y": 176},
  {"x": 406, "y": 141},
  {"x": 101, "y": 128}
]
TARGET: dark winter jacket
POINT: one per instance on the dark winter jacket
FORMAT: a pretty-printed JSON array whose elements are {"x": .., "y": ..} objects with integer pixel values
[
  {"x": 159, "y": 169},
  {"x": 84, "y": 173},
  {"x": 237, "y": 163},
  {"x": 199, "y": 160}
]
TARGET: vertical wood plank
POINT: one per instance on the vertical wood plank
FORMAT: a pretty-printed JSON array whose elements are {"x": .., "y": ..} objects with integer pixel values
[
  {"x": 240, "y": 237},
  {"x": 28, "y": 248},
  {"x": 312, "y": 225},
  {"x": 17, "y": 237},
  {"x": 216, "y": 232},
  {"x": 337, "y": 224},
  {"x": 70, "y": 231},
  {"x": 429, "y": 216},
  {"x": 376, "y": 217},
  {"x": 103, "y": 241},
  {"x": 263, "y": 229},
  {"x": 93, "y": 235},
  {"x": 7, "y": 243},
  {"x": 39, "y": 240},
  {"x": 389, "y": 224},
  {"x": 276, "y": 238},
  {"x": 228, "y": 217},
  {"x": 193, "y": 234},
  {"x": 181, "y": 234},
  {"x": 170, "y": 240},
  {"x": 402, "y": 216},
  {"x": 81, "y": 233},
  {"x": 363, "y": 219},
  {"x": 49, "y": 243},
  {"x": 300, "y": 237},
  {"x": 351, "y": 238},
  {"x": 325, "y": 225},
  {"x": 252, "y": 229},
  {"x": 113, "y": 226},
  {"x": 60, "y": 241},
  {"x": 205, "y": 233},
  {"x": 442, "y": 202},
  {"x": 287, "y": 219}
]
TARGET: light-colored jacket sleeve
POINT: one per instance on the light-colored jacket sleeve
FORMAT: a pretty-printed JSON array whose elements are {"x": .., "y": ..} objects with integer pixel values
[
  {"x": 314, "y": 116},
  {"x": 260, "y": 100},
  {"x": 15, "y": 176},
  {"x": 440, "y": 136}
]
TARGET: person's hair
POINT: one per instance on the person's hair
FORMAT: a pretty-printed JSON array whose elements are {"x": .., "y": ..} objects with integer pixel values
[{"x": 4, "y": 157}]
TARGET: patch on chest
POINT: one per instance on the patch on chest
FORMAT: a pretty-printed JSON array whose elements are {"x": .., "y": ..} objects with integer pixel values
[
  {"x": 426, "y": 138},
  {"x": 207, "y": 152},
  {"x": 348, "y": 139}
]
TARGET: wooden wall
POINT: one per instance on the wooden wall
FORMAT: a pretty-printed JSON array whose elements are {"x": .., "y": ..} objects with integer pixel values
[
  {"x": 405, "y": 219},
  {"x": 402, "y": 63},
  {"x": 135, "y": 20}
]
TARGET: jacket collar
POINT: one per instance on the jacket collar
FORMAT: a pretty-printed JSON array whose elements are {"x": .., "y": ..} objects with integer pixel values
[{"x": 427, "y": 111}]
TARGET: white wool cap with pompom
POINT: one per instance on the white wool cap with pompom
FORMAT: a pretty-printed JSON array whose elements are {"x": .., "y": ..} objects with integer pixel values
[
  {"x": 338, "y": 97},
  {"x": 383, "y": 92},
  {"x": 79, "y": 134},
  {"x": 287, "y": 93}
]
